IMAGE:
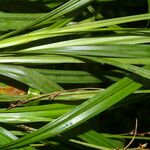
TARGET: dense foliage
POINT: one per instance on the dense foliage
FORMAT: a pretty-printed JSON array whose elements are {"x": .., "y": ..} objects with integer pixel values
[{"x": 74, "y": 74}]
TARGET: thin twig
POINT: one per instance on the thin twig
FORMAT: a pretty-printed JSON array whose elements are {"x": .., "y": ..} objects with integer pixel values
[
  {"x": 18, "y": 103},
  {"x": 51, "y": 96},
  {"x": 135, "y": 133}
]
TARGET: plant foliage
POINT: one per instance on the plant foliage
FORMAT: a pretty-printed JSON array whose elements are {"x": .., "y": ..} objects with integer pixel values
[{"x": 74, "y": 74}]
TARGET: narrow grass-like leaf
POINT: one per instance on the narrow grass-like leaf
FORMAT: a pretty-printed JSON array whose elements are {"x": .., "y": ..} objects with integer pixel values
[
  {"x": 71, "y": 29},
  {"x": 99, "y": 139},
  {"x": 69, "y": 76},
  {"x": 60, "y": 11},
  {"x": 137, "y": 70},
  {"x": 115, "y": 50},
  {"x": 7, "y": 137},
  {"x": 85, "y": 111},
  {"x": 117, "y": 136},
  {"x": 41, "y": 59},
  {"x": 33, "y": 113},
  {"x": 47, "y": 107},
  {"x": 12, "y": 21},
  {"x": 89, "y": 145},
  {"x": 104, "y": 23},
  {"x": 18, "y": 118},
  {"x": 29, "y": 77}
]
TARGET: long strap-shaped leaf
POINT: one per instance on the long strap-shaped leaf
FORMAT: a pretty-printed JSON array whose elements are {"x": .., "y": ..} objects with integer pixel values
[
  {"x": 60, "y": 11},
  {"x": 137, "y": 70},
  {"x": 57, "y": 59},
  {"x": 6, "y": 137},
  {"x": 29, "y": 77},
  {"x": 83, "y": 112},
  {"x": 75, "y": 29},
  {"x": 107, "y": 50},
  {"x": 97, "y": 138}
]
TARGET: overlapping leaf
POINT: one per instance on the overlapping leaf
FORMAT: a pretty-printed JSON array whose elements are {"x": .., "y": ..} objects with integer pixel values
[
  {"x": 85, "y": 111},
  {"x": 29, "y": 77}
]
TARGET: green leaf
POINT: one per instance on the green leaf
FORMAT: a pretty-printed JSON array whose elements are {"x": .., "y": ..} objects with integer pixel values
[
  {"x": 7, "y": 137},
  {"x": 29, "y": 77},
  {"x": 85, "y": 111},
  {"x": 99, "y": 139},
  {"x": 56, "y": 13},
  {"x": 111, "y": 50},
  {"x": 137, "y": 70},
  {"x": 22, "y": 118},
  {"x": 43, "y": 113}
]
